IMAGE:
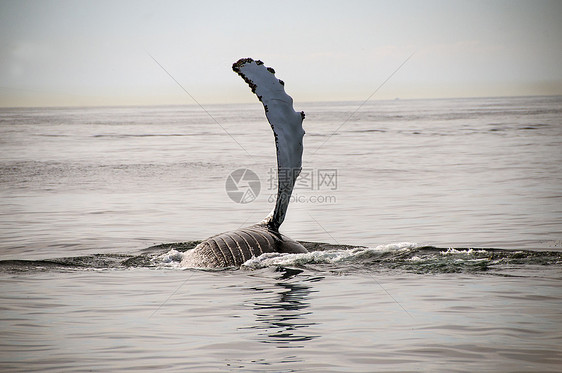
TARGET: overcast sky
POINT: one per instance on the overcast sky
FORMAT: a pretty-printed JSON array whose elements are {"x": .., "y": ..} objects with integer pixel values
[{"x": 97, "y": 52}]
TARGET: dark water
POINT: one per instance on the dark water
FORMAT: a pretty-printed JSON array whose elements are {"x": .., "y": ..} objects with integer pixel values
[{"x": 441, "y": 221}]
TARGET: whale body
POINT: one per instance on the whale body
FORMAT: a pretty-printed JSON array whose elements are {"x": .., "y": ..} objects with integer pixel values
[{"x": 233, "y": 248}]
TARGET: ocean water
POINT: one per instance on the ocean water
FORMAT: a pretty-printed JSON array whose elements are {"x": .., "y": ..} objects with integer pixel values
[{"x": 434, "y": 229}]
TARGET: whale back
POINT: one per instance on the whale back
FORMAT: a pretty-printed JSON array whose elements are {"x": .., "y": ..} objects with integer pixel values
[{"x": 234, "y": 248}]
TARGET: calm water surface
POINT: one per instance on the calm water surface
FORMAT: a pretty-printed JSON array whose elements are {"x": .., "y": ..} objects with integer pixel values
[{"x": 85, "y": 191}]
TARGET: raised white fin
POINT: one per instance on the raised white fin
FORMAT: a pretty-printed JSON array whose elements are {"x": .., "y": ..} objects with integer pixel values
[{"x": 286, "y": 124}]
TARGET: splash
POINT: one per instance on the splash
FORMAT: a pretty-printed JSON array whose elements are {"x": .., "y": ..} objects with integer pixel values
[
  {"x": 401, "y": 256},
  {"x": 342, "y": 256}
]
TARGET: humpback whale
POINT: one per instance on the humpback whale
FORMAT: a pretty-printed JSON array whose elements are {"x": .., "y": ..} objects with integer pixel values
[{"x": 233, "y": 248}]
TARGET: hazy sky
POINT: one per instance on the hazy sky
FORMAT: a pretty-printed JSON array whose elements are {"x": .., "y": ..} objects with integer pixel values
[{"x": 97, "y": 52}]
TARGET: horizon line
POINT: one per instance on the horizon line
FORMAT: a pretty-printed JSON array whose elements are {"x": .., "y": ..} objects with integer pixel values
[{"x": 251, "y": 102}]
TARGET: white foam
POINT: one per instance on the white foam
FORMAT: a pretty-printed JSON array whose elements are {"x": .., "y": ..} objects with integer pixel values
[
  {"x": 397, "y": 246},
  {"x": 467, "y": 252},
  {"x": 172, "y": 258},
  {"x": 415, "y": 259},
  {"x": 322, "y": 257}
]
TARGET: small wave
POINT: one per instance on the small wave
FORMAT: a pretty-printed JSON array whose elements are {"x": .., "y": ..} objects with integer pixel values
[
  {"x": 535, "y": 126},
  {"x": 124, "y": 136},
  {"x": 405, "y": 255},
  {"x": 368, "y": 131}
]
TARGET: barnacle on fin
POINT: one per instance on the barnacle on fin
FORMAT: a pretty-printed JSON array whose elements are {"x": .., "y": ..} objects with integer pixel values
[
  {"x": 238, "y": 64},
  {"x": 236, "y": 67},
  {"x": 241, "y": 62}
]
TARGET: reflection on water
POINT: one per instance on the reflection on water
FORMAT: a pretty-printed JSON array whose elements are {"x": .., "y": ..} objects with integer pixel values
[{"x": 281, "y": 311}]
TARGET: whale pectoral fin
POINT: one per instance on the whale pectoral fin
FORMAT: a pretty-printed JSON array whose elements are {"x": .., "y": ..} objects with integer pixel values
[{"x": 286, "y": 124}]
